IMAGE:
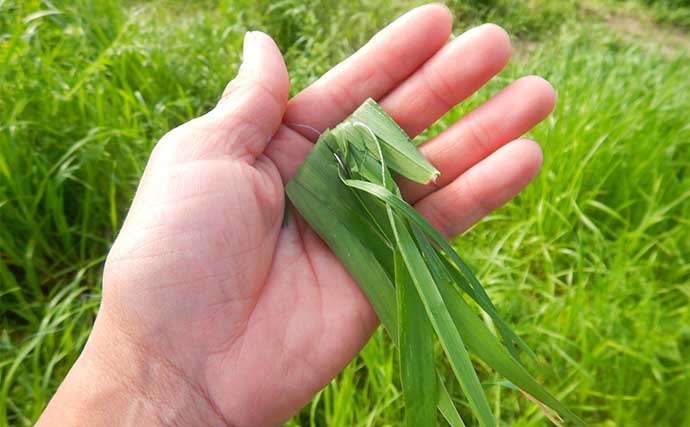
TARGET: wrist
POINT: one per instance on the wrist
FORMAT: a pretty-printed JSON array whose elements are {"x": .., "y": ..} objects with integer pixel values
[{"x": 117, "y": 383}]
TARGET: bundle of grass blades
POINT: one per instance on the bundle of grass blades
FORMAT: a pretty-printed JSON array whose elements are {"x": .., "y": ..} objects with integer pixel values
[{"x": 415, "y": 281}]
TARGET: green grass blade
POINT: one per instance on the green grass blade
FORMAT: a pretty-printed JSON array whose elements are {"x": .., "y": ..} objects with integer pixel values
[
  {"x": 508, "y": 367},
  {"x": 478, "y": 337},
  {"x": 443, "y": 324},
  {"x": 485, "y": 345},
  {"x": 511, "y": 339},
  {"x": 480, "y": 340},
  {"x": 415, "y": 338},
  {"x": 446, "y": 406},
  {"x": 443, "y": 269},
  {"x": 478, "y": 294}
]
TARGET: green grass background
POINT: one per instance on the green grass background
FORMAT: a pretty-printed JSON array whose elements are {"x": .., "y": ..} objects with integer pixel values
[{"x": 591, "y": 264}]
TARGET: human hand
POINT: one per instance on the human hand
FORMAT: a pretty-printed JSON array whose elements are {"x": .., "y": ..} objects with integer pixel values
[{"x": 215, "y": 313}]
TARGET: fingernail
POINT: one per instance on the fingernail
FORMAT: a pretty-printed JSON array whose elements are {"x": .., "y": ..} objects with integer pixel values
[{"x": 248, "y": 49}]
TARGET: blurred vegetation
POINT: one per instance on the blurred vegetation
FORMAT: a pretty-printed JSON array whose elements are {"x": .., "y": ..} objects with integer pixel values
[
  {"x": 591, "y": 264},
  {"x": 676, "y": 12}
]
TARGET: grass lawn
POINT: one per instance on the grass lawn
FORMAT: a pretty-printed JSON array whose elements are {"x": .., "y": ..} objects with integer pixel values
[{"x": 591, "y": 264}]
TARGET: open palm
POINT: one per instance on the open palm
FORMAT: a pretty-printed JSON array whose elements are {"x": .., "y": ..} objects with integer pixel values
[{"x": 258, "y": 315}]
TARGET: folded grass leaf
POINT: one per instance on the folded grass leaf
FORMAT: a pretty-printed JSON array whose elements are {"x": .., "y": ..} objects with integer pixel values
[
  {"x": 401, "y": 156},
  {"x": 413, "y": 278}
]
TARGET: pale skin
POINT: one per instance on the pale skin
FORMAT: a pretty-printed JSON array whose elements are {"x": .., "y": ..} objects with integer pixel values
[{"x": 213, "y": 313}]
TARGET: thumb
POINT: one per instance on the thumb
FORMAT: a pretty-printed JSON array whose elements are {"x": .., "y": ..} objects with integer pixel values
[{"x": 253, "y": 103}]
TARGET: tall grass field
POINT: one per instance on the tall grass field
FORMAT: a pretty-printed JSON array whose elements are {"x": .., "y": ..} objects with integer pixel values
[{"x": 590, "y": 264}]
